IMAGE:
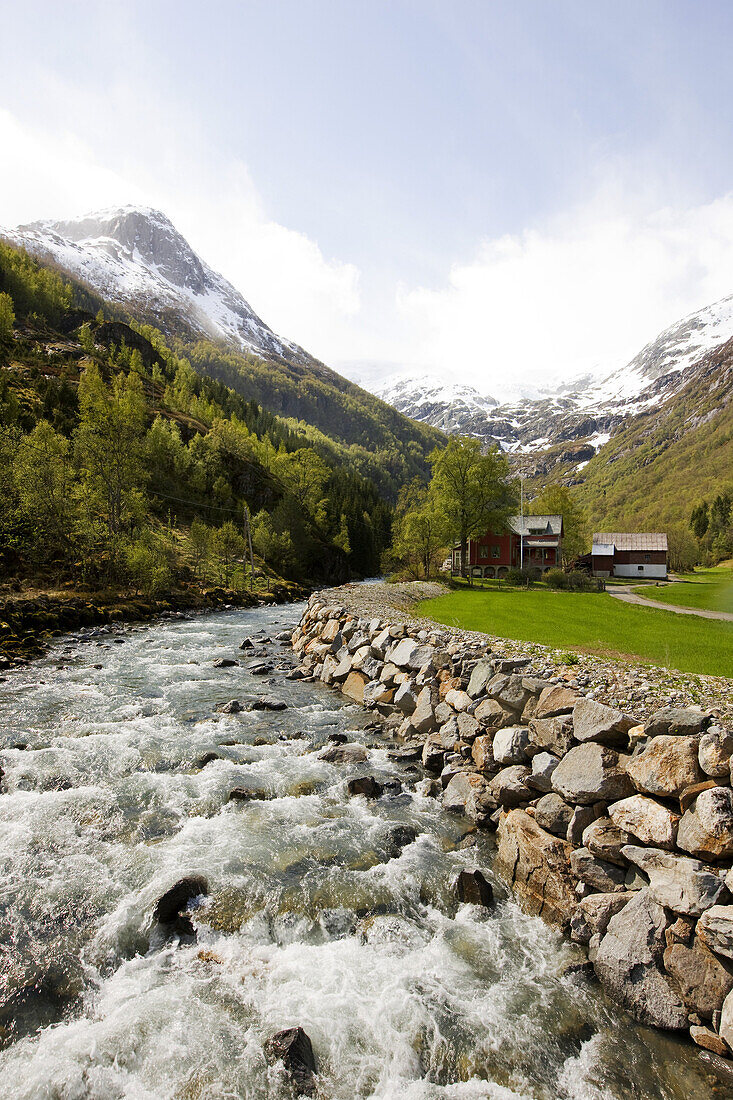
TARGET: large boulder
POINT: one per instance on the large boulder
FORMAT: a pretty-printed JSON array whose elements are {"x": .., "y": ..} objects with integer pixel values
[
  {"x": 175, "y": 900},
  {"x": 482, "y": 672},
  {"x": 472, "y": 888},
  {"x": 703, "y": 980},
  {"x": 543, "y": 766},
  {"x": 715, "y": 928},
  {"x": 510, "y": 744},
  {"x": 482, "y": 753},
  {"x": 706, "y": 829},
  {"x": 468, "y": 793},
  {"x": 459, "y": 700},
  {"x": 666, "y": 766},
  {"x": 645, "y": 819},
  {"x": 684, "y": 885},
  {"x": 509, "y": 787},
  {"x": 591, "y": 773},
  {"x": 351, "y": 753},
  {"x": 293, "y": 1048},
  {"x": 423, "y": 716},
  {"x": 553, "y": 814},
  {"x": 491, "y": 714},
  {"x": 605, "y": 840},
  {"x": 405, "y": 698},
  {"x": 537, "y": 866},
  {"x": 554, "y": 700},
  {"x": 594, "y": 721},
  {"x": 598, "y": 873},
  {"x": 411, "y": 654},
  {"x": 593, "y": 914},
  {"x": 553, "y": 735},
  {"x": 676, "y": 721},
  {"x": 629, "y": 963},
  {"x": 353, "y": 686},
  {"x": 513, "y": 693},
  {"x": 716, "y": 749}
]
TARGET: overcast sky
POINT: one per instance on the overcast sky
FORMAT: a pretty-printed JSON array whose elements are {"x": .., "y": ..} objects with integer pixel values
[{"x": 501, "y": 192}]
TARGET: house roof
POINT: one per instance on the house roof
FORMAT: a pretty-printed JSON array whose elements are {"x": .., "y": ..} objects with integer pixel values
[
  {"x": 536, "y": 525},
  {"x": 605, "y": 541}
]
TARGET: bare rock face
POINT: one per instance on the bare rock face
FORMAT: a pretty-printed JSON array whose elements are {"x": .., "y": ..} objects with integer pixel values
[
  {"x": 536, "y": 864},
  {"x": 684, "y": 885},
  {"x": 677, "y": 721},
  {"x": 715, "y": 928},
  {"x": 553, "y": 735},
  {"x": 554, "y": 814},
  {"x": 593, "y": 721},
  {"x": 716, "y": 749},
  {"x": 593, "y": 914},
  {"x": 666, "y": 766},
  {"x": 555, "y": 700},
  {"x": 591, "y": 773},
  {"x": 704, "y": 981},
  {"x": 597, "y": 873},
  {"x": 706, "y": 829},
  {"x": 629, "y": 963},
  {"x": 645, "y": 819}
]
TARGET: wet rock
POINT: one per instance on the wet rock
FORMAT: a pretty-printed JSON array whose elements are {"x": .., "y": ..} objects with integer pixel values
[
  {"x": 293, "y": 1048},
  {"x": 536, "y": 863},
  {"x": 715, "y": 751},
  {"x": 283, "y": 636},
  {"x": 591, "y": 773},
  {"x": 174, "y": 901},
  {"x": 354, "y": 685},
  {"x": 468, "y": 792},
  {"x": 702, "y": 979},
  {"x": 473, "y": 889},
  {"x": 207, "y": 758},
  {"x": 593, "y": 721},
  {"x": 645, "y": 819},
  {"x": 666, "y": 766},
  {"x": 337, "y": 738},
  {"x": 553, "y": 814},
  {"x": 684, "y": 885},
  {"x": 676, "y": 721},
  {"x": 350, "y": 753},
  {"x": 706, "y": 829},
  {"x": 224, "y": 662},
  {"x": 599, "y": 873},
  {"x": 543, "y": 765},
  {"x": 708, "y": 1039},
  {"x": 232, "y": 707},
  {"x": 629, "y": 963},
  {"x": 259, "y": 668},
  {"x": 398, "y": 837},
  {"x": 605, "y": 840},
  {"x": 433, "y": 754},
  {"x": 593, "y": 914},
  {"x": 556, "y": 700},
  {"x": 248, "y": 794},
  {"x": 715, "y": 928},
  {"x": 267, "y": 702},
  {"x": 365, "y": 785},
  {"x": 510, "y": 788}
]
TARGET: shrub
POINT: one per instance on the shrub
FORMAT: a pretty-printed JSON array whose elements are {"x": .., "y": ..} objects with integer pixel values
[
  {"x": 555, "y": 578},
  {"x": 519, "y": 576},
  {"x": 579, "y": 581}
]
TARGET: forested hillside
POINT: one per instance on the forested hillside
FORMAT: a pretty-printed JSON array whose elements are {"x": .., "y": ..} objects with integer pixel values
[{"x": 121, "y": 464}]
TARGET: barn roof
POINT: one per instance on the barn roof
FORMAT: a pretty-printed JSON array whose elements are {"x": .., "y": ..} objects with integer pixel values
[
  {"x": 536, "y": 525},
  {"x": 604, "y": 541}
]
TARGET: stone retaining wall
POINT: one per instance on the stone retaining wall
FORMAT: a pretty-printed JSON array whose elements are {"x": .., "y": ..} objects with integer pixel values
[{"x": 620, "y": 833}]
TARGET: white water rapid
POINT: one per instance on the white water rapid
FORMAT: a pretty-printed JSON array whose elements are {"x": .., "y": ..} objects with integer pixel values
[{"x": 316, "y": 914}]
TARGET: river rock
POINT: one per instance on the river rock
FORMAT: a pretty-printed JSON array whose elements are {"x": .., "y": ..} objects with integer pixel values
[
  {"x": 591, "y": 773},
  {"x": 553, "y": 814},
  {"x": 510, "y": 744},
  {"x": 684, "y": 885},
  {"x": 175, "y": 900},
  {"x": 666, "y": 766},
  {"x": 599, "y": 873},
  {"x": 543, "y": 765},
  {"x": 645, "y": 819},
  {"x": 473, "y": 889},
  {"x": 365, "y": 785},
  {"x": 605, "y": 840},
  {"x": 703, "y": 980},
  {"x": 676, "y": 721},
  {"x": 481, "y": 674},
  {"x": 629, "y": 963},
  {"x": 354, "y": 685},
  {"x": 536, "y": 863},
  {"x": 232, "y": 707},
  {"x": 594, "y": 721},
  {"x": 593, "y": 914},
  {"x": 709, "y": 1040},
  {"x": 468, "y": 792},
  {"x": 715, "y": 928},
  {"x": 225, "y": 662},
  {"x": 267, "y": 702},
  {"x": 351, "y": 753},
  {"x": 246, "y": 643},
  {"x": 248, "y": 794},
  {"x": 410, "y": 654},
  {"x": 398, "y": 837},
  {"x": 715, "y": 751},
  {"x": 706, "y": 829},
  {"x": 459, "y": 700},
  {"x": 433, "y": 754},
  {"x": 293, "y": 1048},
  {"x": 555, "y": 700},
  {"x": 553, "y": 735},
  {"x": 509, "y": 787},
  {"x": 405, "y": 698}
]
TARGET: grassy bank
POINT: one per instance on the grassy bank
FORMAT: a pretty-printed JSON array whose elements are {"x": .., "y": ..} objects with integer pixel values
[
  {"x": 711, "y": 589},
  {"x": 590, "y": 622}
]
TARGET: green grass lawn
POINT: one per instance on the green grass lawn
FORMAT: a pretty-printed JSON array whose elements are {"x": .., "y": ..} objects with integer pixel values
[
  {"x": 708, "y": 588},
  {"x": 591, "y": 622}
]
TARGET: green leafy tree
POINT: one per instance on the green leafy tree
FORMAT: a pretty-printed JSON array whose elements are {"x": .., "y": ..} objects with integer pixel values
[
  {"x": 44, "y": 483},
  {"x": 7, "y": 320},
  {"x": 560, "y": 500},
  {"x": 419, "y": 531},
  {"x": 201, "y": 545},
  {"x": 228, "y": 548},
  {"x": 700, "y": 519},
  {"x": 471, "y": 490}
]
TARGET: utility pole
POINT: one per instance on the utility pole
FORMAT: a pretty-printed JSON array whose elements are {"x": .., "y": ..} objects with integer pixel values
[
  {"x": 248, "y": 536},
  {"x": 521, "y": 517}
]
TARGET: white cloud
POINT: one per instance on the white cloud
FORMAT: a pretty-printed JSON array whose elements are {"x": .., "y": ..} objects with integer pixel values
[{"x": 584, "y": 294}]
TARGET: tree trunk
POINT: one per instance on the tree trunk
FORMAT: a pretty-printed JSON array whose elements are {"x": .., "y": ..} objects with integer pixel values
[{"x": 465, "y": 570}]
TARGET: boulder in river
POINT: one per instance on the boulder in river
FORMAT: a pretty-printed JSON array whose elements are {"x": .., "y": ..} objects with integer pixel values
[
  {"x": 351, "y": 753},
  {"x": 267, "y": 702},
  {"x": 172, "y": 903},
  {"x": 293, "y": 1048},
  {"x": 473, "y": 889},
  {"x": 366, "y": 785},
  {"x": 224, "y": 662},
  {"x": 248, "y": 794},
  {"x": 232, "y": 707}
]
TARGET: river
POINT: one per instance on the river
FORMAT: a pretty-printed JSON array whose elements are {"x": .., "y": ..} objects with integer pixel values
[{"x": 317, "y": 914}]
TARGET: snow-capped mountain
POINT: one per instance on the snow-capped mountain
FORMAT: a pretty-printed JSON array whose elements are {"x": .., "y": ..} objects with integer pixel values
[
  {"x": 586, "y": 409},
  {"x": 134, "y": 256}
]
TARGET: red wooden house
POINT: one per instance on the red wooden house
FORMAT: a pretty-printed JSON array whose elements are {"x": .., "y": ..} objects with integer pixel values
[{"x": 534, "y": 541}]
